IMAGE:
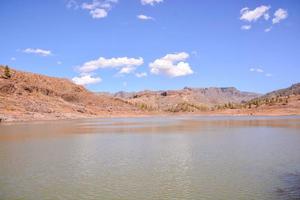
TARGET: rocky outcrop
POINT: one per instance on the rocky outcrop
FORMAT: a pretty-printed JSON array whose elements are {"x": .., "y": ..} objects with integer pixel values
[
  {"x": 25, "y": 96},
  {"x": 187, "y": 98},
  {"x": 28, "y": 96},
  {"x": 292, "y": 90}
]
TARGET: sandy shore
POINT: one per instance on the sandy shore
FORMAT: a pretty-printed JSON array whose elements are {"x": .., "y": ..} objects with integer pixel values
[{"x": 66, "y": 116}]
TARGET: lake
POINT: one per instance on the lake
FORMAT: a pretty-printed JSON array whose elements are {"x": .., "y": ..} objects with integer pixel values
[{"x": 151, "y": 158}]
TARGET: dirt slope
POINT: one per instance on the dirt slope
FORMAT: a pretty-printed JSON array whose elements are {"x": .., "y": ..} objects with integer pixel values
[
  {"x": 193, "y": 98},
  {"x": 28, "y": 96}
]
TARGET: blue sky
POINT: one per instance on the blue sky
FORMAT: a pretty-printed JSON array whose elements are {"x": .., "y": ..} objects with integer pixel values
[{"x": 131, "y": 45}]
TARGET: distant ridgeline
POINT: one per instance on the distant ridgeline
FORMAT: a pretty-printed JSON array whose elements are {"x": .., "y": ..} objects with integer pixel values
[
  {"x": 207, "y": 99},
  {"x": 27, "y": 96},
  {"x": 187, "y": 99},
  {"x": 281, "y": 96}
]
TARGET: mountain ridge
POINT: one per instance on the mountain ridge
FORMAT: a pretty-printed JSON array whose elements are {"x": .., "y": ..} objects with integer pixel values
[
  {"x": 26, "y": 96},
  {"x": 165, "y": 100}
]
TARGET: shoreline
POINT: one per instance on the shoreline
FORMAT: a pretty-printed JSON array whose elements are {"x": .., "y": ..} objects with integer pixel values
[{"x": 9, "y": 119}]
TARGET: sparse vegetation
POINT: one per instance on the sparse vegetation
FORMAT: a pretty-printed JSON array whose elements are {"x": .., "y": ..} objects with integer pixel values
[
  {"x": 187, "y": 107},
  {"x": 7, "y": 72},
  {"x": 26, "y": 93},
  {"x": 164, "y": 94}
]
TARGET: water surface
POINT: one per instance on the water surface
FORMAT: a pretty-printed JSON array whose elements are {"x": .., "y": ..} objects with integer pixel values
[{"x": 152, "y": 158}]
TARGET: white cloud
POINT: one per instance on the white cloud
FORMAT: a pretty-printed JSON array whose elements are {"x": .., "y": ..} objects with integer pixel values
[
  {"x": 267, "y": 16},
  {"x": 127, "y": 70},
  {"x": 268, "y": 29},
  {"x": 90, "y": 6},
  {"x": 253, "y": 15},
  {"x": 99, "y": 8},
  {"x": 144, "y": 17},
  {"x": 150, "y": 2},
  {"x": 40, "y": 52},
  {"x": 246, "y": 27},
  {"x": 279, "y": 15},
  {"x": 268, "y": 75},
  {"x": 259, "y": 70},
  {"x": 86, "y": 80},
  {"x": 98, "y": 13},
  {"x": 13, "y": 59},
  {"x": 59, "y": 62},
  {"x": 125, "y": 64},
  {"x": 141, "y": 75},
  {"x": 72, "y": 4},
  {"x": 172, "y": 65}
]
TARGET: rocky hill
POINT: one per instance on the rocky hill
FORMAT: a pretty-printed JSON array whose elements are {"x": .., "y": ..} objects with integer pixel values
[
  {"x": 26, "y": 96},
  {"x": 292, "y": 90},
  {"x": 187, "y": 99},
  {"x": 283, "y": 101}
]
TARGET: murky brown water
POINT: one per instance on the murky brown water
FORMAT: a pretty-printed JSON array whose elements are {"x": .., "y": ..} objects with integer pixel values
[{"x": 152, "y": 158}]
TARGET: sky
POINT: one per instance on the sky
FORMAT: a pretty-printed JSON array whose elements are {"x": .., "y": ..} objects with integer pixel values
[{"x": 133, "y": 45}]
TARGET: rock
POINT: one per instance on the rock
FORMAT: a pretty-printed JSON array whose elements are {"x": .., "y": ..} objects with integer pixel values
[{"x": 7, "y": 88}]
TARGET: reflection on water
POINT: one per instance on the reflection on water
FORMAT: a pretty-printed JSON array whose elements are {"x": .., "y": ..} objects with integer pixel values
[
  {"x": 173, "y": 125},
  {"x": 290, "y": 188},
  {"x": 152, "y": 158}
]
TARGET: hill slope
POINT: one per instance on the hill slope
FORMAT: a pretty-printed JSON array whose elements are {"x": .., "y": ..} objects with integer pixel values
[
  {"x": 187, "y": 99},
  {"x": 279, "y": 102},
  {"x": 292, "y": 90},
  {"x": 283, "y": 101},
  {"x": 28, "y": 96}
]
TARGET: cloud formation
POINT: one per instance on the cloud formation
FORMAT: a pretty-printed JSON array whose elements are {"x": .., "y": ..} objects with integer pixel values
[
  {"x": 259, "y": 70},
  {"x": 269, "y": 75},
  {"x": 99, "y": 8},
  {"x": 86, "y": 79},
  {"x": 124, "y": 64},
  {"x": 144, "y": 17},
  {"x": 266, "y": 16},
  {"x": 259, "y": 12},
  {"x": 150, "y": 2},
  {"x": 40, "y": 52},
  {"x": 72, "y": 4},
  {"x": 172, "y": 65},
  {"x": 279, "y": 15},
  {"x": 246, "y": 27},
  {"x": 98, "y": 13},
  {"x": 268, "y": 29},
  {"x": 255, "y": 14},
  {"x": 141, "y": 75}
]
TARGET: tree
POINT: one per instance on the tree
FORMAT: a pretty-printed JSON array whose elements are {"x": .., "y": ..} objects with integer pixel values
[{"x": 7, "y": 73}]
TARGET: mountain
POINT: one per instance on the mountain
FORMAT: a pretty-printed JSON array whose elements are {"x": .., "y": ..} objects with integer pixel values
[
  {"x": 192, "y": 98},
  {"x": 26, "y": 96},
  {"x": 283, "y": 101},
  {"x": 292, "y": 90}
]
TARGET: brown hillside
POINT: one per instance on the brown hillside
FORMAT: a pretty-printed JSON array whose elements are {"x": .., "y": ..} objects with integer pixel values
[
  {"x": 28, "y": 96},
  {"x": 187, "y": 99}
]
